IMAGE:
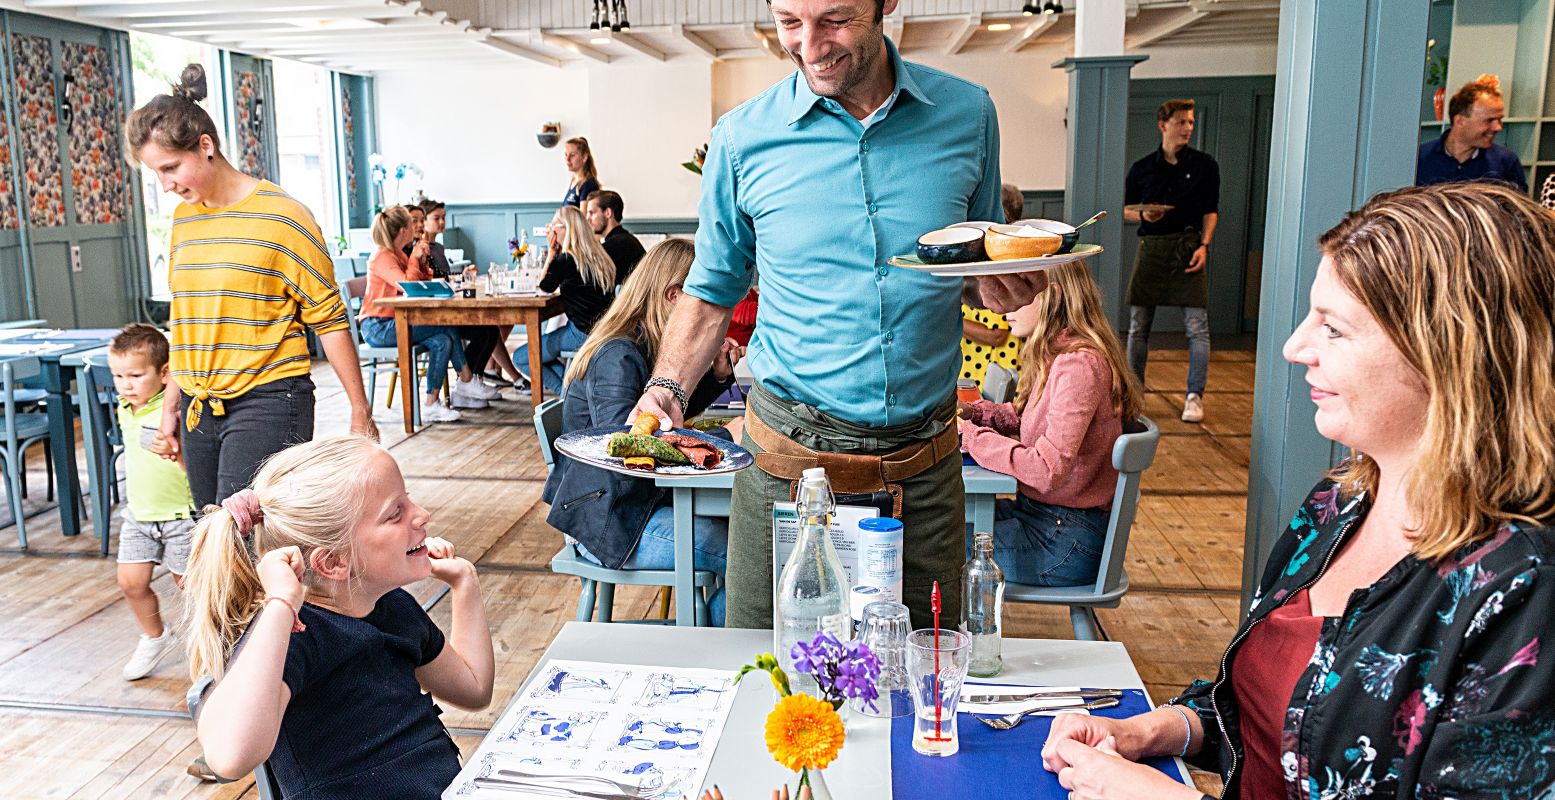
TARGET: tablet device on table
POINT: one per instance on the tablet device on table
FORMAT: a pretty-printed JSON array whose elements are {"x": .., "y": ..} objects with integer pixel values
[{"x": 426, "y": 289}]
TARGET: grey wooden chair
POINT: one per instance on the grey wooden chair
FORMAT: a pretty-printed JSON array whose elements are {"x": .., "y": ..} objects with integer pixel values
[
  {"x": 376, "y": 360},
  {"x": 1132, "y": 454},
  {"x": 598, "y": 584}
]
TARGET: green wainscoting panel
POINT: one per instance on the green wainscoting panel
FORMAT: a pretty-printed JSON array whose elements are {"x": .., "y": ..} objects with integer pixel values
[{"x": 1345, "y": 119}]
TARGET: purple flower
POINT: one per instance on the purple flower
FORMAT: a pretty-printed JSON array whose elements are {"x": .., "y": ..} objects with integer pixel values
[{"x": 842, "y": 669}]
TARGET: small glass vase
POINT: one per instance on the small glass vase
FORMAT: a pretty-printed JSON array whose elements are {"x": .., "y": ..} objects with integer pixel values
[{"x": 816, "y": 780}]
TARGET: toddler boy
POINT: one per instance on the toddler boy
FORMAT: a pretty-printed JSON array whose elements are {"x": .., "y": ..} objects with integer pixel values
[{"x": 159, "y": 517}]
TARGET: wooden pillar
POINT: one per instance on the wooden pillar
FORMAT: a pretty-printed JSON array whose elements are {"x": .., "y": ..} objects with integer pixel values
[{"x": 1346, "y": 119}]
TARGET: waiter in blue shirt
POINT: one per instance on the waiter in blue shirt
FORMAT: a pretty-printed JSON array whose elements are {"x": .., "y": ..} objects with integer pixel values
[
  {"x": 816, "y": 182},
  {"x": 1468, "y": 150}
]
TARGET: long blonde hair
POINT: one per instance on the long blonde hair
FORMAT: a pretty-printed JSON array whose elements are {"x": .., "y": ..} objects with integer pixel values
[
  {"x": 642, "y": 310},
  {"x": 387, "y": 226},
  {"x": 1461, "y": 278},
  {"x": 589, "y": 169},
  {"x": 311, "y": 496},
  {"x": 1069, "y": 319},
  {"x": 594, "y": 263}
]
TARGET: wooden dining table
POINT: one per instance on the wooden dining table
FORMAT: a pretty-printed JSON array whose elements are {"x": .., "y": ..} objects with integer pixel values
[{"x": 526, "y": 310}]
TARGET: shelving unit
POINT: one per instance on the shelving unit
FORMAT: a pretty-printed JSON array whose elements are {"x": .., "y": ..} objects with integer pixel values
[{"x": 1512, "y": 39}]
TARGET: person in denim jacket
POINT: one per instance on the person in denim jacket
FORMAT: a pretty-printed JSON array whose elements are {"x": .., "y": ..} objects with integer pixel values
[
  {"x": 1396, "y": 643},
  {"x": 620, "y": 521}
]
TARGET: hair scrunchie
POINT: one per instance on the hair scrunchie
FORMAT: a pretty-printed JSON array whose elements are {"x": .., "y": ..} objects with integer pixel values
[{"x": 245, "y": 511}]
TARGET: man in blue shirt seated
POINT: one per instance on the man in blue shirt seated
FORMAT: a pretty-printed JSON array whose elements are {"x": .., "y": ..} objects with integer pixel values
[
  {"x": 817, "y": 182},
  {"x": 1468, "y": 150}
]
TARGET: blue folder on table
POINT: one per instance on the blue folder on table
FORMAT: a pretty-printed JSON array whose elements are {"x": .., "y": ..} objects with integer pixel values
[
  {"x": 426, "y": 289},
  {"x": 995, "y": 763}
]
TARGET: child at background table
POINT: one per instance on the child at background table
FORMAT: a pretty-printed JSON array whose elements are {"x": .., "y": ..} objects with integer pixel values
[
  {"x": 1074, "y": 392},
  {"x": 159, "y": 515},
  {"x": 334, "y": 693}
]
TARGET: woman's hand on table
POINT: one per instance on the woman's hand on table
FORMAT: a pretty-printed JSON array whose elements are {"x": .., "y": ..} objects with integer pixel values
[
  {"x": 729, "y": 354},
  {"x": 1099, "y": 773}
]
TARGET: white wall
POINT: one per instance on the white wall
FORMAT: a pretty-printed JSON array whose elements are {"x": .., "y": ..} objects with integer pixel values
[{"x": 472, "y": 130}]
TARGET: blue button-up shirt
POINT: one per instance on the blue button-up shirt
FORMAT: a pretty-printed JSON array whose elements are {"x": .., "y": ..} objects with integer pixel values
[
  {"x": 798, "y": 189},
  {"x": 1495, "y": 164}
]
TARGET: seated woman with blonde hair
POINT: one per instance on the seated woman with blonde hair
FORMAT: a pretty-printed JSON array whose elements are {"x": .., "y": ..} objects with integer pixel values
[
  {"x": 1393, "y": 646},
  {"x": 619, "y": 521}
]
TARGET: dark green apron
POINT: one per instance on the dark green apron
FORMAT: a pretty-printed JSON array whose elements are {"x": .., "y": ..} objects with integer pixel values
[
  {"x": 933, "y": 511},
  {"x": 1159, "y": 279}
]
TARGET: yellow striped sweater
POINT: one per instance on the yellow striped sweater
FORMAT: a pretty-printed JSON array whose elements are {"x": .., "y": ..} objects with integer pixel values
[{"x": 245, "y": 279}]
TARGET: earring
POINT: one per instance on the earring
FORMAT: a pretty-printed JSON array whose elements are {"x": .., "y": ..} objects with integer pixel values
[{"x": 210, "y": 158}]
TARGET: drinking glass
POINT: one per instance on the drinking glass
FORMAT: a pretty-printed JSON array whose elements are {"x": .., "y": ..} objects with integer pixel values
[
  {"x": 936, "y": 667},
  {"x": 883, "y": 629}
]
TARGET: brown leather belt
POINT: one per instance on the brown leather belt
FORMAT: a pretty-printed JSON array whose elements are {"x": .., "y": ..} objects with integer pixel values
[{"x": 781, "y": 457}]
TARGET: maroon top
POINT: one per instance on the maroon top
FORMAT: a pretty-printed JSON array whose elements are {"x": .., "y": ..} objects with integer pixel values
[{"x": 1270, "y": 661}]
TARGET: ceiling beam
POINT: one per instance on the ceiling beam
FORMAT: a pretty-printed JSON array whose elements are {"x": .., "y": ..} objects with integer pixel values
[
  {"x": 969, "y": 25},
  {"x": 1031, "y": 32},
  {"x": 570, "y": 45},
  {"x": 420, "y": 28},
  {"x": 233, "y": 18},
  {"x": 631, "y": 42},
  {"x": 695, "y": 40},
  {"x": 514, "y": 50},
  {"x": 1234, "y": 5},
  {"x": 130, "y": 11},
  {"x": 765, "y": 42},
  {"x": 1161, "y": 25}
]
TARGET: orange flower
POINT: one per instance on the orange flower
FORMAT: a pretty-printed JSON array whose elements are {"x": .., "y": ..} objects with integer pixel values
[{"x": 804, "y": 732}]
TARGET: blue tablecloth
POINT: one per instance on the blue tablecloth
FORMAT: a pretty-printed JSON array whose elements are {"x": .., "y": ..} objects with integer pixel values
[{"x": 994, "y": 763}]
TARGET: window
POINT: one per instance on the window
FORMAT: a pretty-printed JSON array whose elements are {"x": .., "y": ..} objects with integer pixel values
[
  {"x": 157, "y": 61},
  {"x": 305, "y": 132}
]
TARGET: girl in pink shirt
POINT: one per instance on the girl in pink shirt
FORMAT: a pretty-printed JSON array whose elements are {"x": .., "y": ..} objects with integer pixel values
[{"x": 1075, "y": 390}]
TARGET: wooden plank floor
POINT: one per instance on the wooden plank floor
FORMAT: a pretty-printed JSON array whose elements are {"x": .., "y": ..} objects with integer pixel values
[{"x": 71, "y": 727}]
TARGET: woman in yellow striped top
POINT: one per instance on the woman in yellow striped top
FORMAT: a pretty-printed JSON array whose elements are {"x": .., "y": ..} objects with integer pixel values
[{"x": 249, "y": 270}]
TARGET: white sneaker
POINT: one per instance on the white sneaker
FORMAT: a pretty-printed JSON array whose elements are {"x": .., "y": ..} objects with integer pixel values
[
  {"x": 475, "y": 387},
  {"x": 460, "y": 399},
  {"x": 437, "y": 412},
  {"x": 148, "y": 653},
  {"x": 1193, "y": 408}
]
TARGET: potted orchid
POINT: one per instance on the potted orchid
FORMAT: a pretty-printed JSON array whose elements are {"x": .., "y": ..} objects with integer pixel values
[{"x": 805, "y": 733}]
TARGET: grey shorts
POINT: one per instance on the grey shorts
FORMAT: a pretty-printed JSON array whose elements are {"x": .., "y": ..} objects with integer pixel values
[{"x": 164, "y": 543}]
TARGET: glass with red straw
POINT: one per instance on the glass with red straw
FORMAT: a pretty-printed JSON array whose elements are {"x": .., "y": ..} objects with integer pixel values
[{"x": 937, "y": 663}]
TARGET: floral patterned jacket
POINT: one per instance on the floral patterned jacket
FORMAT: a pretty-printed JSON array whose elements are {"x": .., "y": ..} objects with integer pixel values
[{"x": 1431, "y": 684}]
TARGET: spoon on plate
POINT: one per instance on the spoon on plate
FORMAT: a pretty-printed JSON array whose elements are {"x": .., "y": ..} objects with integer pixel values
[{"x": 1098, "y": 216}]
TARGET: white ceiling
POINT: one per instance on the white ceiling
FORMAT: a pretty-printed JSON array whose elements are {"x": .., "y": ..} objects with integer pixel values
[{"x": 383, "y": 35}]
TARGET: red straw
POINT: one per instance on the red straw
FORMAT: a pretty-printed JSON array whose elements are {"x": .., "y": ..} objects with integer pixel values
[{"x": 934, "y": 605}]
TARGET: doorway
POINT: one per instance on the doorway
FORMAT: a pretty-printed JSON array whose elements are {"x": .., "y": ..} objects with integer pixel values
[{"x": 1235, "y": 124}]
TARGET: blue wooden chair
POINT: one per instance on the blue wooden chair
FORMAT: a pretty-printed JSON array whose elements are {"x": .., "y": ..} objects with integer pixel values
[
  {"x": 103, "y": 439},
  {"x": 375, "y": 359},
  {"x": 22, "y": 430},
  {"x": 1132, "y": 454},
  {"x": 598, "y": 584},
  {"x": 264, "y": 782}
]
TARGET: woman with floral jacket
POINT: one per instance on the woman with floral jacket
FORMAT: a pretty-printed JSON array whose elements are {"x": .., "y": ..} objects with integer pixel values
[{"x": 1393, "y": 647}]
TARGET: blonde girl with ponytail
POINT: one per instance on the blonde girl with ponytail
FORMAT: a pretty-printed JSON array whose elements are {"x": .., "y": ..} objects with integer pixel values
[
  {"x": 324, "y": 666},
  {"x": 1074, "y": 394}
]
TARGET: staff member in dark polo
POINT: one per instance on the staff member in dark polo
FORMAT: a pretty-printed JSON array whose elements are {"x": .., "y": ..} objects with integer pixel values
[
  {"x": 1468, "y": 150},
  {"x": 1173, "y": 245},
  {"x": 817, "y": 182}
]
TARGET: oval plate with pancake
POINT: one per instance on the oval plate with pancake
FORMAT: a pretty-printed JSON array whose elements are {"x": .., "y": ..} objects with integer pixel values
[
  {"x": 589, "y": 446},
  {"x": 1011, "y": 266},
  {"x": 1147, "y": 208}
]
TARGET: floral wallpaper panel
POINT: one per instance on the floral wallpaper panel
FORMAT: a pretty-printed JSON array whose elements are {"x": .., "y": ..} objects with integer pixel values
[
  {"x": 9, "y": 220},
  {"x": 251, "y": 125},
  {"x": 96, "y": 171},
  {"x": 37, "y": 124},
  {"x": 348, "y": 124}
]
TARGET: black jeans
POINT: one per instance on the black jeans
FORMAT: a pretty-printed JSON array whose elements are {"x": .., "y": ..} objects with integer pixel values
[
  {"x": 223, "y": 453},
  {"x": 480, "y": 341}
]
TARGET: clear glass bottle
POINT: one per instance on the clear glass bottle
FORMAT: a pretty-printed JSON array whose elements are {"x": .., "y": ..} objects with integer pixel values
[
  {"x": 813, "y": 594},
  {"x": 982, "y": 607}
]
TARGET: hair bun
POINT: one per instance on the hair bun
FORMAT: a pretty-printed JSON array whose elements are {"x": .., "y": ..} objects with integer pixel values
[{"x": 191, "y": 83}]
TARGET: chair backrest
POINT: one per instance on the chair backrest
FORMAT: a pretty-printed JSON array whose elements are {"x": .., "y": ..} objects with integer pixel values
[
  {"x": 548, "y": 426},
  {"x": 12, "y": 372},
  {"x": 351, "y": 292},
  {"x": 1132, "y": 454},
  {"x": 999, "y": 383}
]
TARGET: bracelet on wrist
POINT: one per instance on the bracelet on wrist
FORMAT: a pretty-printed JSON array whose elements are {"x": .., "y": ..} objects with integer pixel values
[
  {"x": 297, "y": 626},
  {"x": 1187, "y": 727},
  {"x": 675, "y": 389}
]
